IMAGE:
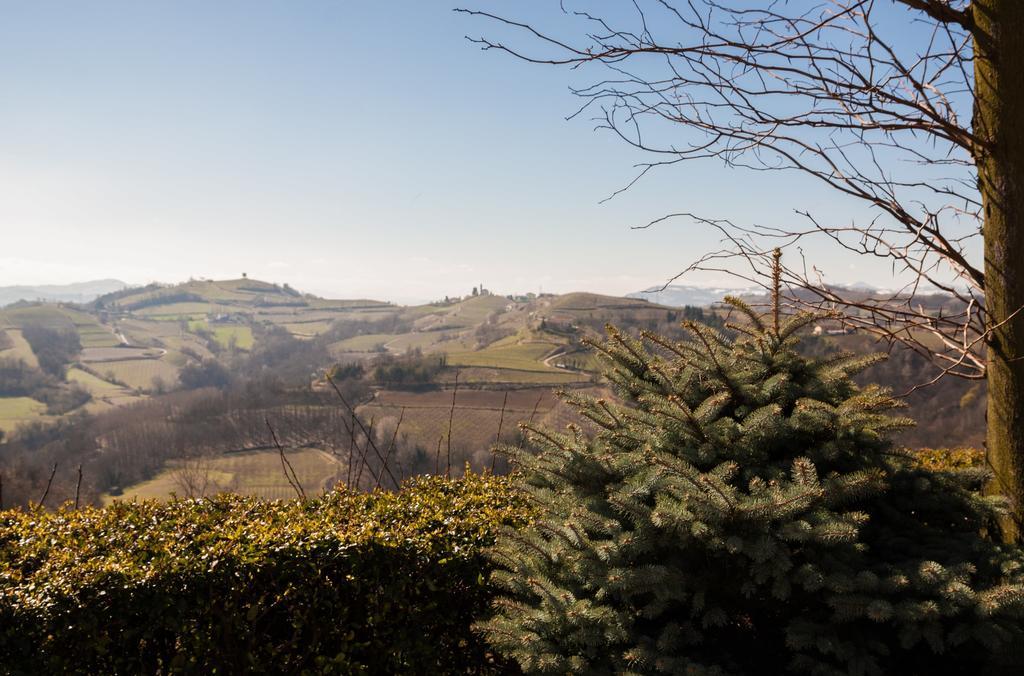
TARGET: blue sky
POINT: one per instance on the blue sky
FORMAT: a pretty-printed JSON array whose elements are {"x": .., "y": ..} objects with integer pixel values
[{"x": 350, "y": 149}]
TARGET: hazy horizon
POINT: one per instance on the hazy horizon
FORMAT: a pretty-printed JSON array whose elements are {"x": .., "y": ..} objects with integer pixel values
[{"x": 353, "y": 151}]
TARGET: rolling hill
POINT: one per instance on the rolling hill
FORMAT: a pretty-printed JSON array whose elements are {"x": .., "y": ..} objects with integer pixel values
[{"x": 82, "y": 292}]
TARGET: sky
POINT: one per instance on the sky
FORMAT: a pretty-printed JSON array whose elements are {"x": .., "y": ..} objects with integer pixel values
[{"x": 350, "y": 149}]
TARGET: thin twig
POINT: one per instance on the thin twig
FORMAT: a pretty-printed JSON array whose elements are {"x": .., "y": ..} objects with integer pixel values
[
  {"x": 497, "y": 439},
  {"x": 359, "y": 422},
  {"x": 534, "y": 413},
  {"x": 49, "y": 482},
  {"x": 362, "y": 456},
  {"x": 286, "y": 466},
  {"x": 78, "y": 486},
  {"x": 391, "y": 447},
  {"x": 437, "y": 458},
  {"x": 451, "y": 417},
  {"x": 776, "y": 287},
  {"x": 351, "y": 451}
]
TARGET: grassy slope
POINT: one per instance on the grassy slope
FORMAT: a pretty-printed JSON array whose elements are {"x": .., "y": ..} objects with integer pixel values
[
  {"x": 139, "y": 373},
  {"x": 17, "y": 410},
  {"x": 20, "y": 350}
]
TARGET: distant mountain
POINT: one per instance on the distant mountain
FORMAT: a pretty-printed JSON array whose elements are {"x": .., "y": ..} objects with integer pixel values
[
  {"x": 679, "y": 295},
  {"x": 82, "y": 292}
]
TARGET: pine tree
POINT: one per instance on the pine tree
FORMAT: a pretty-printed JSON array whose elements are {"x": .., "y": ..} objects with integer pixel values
[{"x": 742, "y": 510}]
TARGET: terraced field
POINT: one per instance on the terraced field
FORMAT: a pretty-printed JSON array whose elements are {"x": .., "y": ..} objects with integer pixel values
[
  {"x": 365, "y": 343},
  {"x": 104, "y": 354},
  {"x": 180, "y": 311},
  {"x": 90, "y": 331},
  {"x": 256, "y": 473},
  {"x": 424, "y": 340},
  {"x": 307, "y": 329},
  {"x": 491, "y": 377}
]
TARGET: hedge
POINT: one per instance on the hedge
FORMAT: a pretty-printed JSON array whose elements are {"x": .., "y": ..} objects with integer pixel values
[
  {"x": 950, "y": 459},
  {"x": 346, "y": 583}
]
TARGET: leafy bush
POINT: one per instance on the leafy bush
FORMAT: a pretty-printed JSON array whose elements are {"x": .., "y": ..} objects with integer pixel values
[
  {"x": 207, "y": 373},
  {"x": 346, "y": 583},
  {"x": 743, "y": 511}
]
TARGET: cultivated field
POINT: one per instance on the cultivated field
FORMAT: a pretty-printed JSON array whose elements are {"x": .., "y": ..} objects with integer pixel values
[
  {"x": 256, "y": 473},
  {"x": 90, "y": 331},
  {"x": 138, "y": 373},
  {"x": 17, "y": 410},
  {"x": 95, "y": 385},
  {"x": 224, "y": 334},
  {"x": 365, "y": 343},
  {"x": 520, "y": 357},
  {"x": 474, "y": 424},
  {"x": 107, "y": 354}
]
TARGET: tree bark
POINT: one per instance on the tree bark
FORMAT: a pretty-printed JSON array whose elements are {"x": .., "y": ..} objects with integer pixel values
[{"x": 999, "y": 126}]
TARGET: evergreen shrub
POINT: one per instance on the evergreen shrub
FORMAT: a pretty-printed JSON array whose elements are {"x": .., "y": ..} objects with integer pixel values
[
  {"x": 346, "y": 583},
  {"x": 740, "y": 510}
]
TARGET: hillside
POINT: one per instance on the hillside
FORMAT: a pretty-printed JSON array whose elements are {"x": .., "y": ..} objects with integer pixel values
[
  {"x": 128, "y": 355},
  {"x": 184, "y": 380}
]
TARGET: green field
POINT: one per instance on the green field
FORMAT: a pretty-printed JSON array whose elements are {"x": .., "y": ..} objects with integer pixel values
[
  {"x": 521, "y": 357},
  {"x": 241, "y": 335},
  {"x": 225, "y": 333},
  {"x": 17, "y": 410},
  {"x": 256, "y": 473},
  {"x": 93, "y": 384}
]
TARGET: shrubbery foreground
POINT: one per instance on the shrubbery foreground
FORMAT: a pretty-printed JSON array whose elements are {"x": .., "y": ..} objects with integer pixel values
[
  {"x": 346, "y": 583},
  {"x": 742, "y": 511}
]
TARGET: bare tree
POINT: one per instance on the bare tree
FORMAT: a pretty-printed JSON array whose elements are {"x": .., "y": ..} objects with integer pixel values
[
  {"x": 194, "y": 476},
  {"x": 914, "y": 109}
]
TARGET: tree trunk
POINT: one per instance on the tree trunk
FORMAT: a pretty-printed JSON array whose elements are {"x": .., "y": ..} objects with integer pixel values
[{"x": 999, "y": 124}]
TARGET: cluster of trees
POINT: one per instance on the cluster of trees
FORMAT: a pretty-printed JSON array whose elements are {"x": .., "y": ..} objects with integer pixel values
[
  {"x": 54, "y": 348},
  {"x": 491, "y": 331},
  {"x": 162, "y": 298},
  {"x": 411, "y": 369},
  {"x": 18, "y": 379}
]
